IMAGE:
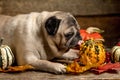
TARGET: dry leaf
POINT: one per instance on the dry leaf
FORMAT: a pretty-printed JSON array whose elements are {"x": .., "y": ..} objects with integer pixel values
[
  {"x": 17, "y": 68},
  {"x": 109, "y": 67},
  {"x": 75, "y": 68}
]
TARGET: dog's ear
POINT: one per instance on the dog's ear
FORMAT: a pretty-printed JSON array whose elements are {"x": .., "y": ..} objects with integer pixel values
[{"x": 52, "y": 25}]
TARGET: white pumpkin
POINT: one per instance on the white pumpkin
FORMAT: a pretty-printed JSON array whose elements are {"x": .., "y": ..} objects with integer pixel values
[
  {"x": 6, "y": 56},
  {"x": 115, "y": 54}
]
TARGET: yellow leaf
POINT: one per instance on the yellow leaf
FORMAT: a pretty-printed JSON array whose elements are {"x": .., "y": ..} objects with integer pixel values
[{"x": 17, "y": 68}]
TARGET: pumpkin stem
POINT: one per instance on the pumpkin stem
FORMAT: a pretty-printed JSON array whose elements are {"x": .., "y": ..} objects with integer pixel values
[
  {"x": 94, "y": 29},
  {"x": 1, "y": 41}
]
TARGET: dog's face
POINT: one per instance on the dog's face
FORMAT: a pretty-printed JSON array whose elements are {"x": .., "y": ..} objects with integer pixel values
[{"x": 63, "y": 29}]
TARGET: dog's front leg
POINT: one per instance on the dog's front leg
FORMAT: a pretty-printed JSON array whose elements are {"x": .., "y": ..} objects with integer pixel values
[
  {"x": 48, "y": 66},
  {"x": 44, "y": 65}
]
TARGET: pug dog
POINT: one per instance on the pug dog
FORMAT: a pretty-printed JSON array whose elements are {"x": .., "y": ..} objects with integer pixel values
[{"x": 37, "y": 38}]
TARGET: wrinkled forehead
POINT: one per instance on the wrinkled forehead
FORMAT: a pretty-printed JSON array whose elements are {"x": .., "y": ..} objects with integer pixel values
[
  {"x": 71, "y": 22},
  {"x": 68, "y": 19}
]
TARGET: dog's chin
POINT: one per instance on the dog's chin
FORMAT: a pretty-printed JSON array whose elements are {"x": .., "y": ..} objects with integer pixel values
[
  {"x": 69, "y": 46},
  {"x": 67, "y": 49},
  {"x": 63, "y": 48},
  {"x": 76, "y": 46}
]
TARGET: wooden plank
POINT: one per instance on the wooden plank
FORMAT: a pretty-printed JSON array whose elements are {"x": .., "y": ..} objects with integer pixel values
[{"x": 76, "y": 7}]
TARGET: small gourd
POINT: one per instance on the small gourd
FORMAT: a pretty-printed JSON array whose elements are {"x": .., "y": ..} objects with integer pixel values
[
  {"x": 91, "y": 33},
  {"x": 6, "y": 56},
  {"x": 115, "y": 54},
  {"x": 92, "y": 52}
]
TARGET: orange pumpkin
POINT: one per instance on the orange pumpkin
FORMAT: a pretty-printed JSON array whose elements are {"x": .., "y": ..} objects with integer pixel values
[{"x": 91, "y": 33}]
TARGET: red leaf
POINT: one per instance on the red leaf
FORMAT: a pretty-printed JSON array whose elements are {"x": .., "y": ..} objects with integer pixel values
[
  {"x": 118, "y": 44},
  {"x": 109, "y": 67}
]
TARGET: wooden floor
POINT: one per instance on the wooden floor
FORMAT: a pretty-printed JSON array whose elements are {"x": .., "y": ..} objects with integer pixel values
[{"x": 32, "y": 75}]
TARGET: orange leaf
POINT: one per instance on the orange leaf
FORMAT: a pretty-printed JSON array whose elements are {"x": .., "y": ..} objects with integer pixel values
[
  {"x": 75, "y": 68},
  {"x": 85, "y": 35},
  {"x": 17, "y": 68}
]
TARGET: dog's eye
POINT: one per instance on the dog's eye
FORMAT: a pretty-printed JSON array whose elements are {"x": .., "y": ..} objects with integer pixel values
[{"x": 69, "y": 35}]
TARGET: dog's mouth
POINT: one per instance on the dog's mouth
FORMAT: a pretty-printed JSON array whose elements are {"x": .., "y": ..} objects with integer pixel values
[
  {"x": 78, "y": 45},
  {"x": 80, "y": 42}
]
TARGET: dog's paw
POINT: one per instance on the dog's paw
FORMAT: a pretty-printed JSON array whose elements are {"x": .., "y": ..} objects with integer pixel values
[
  {"x": 58, "y": 68},
  {"x": 71, "y": 54}
]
